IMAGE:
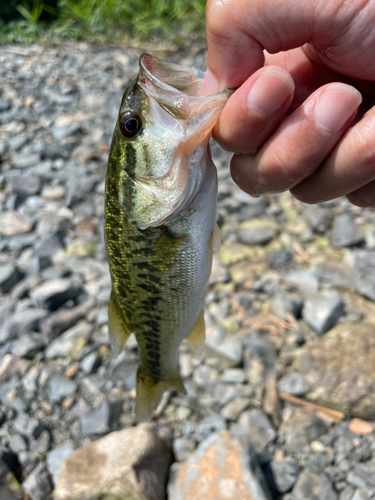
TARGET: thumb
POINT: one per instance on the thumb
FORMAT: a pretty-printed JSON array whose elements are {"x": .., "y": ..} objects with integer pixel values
[{"x": 238, "y": 31}]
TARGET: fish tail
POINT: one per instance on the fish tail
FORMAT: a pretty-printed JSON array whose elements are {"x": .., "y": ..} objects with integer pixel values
[{"x": 149, "y": 392}]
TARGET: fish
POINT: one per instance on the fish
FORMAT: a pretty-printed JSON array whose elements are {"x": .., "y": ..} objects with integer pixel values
[{"x": 160, "y": 221}]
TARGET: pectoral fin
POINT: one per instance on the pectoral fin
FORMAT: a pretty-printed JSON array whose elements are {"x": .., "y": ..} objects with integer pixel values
[
  {"x": 149, "y": 393},
  {"x": 197, "y": 336},
  {"x": 118, "y": 326}
]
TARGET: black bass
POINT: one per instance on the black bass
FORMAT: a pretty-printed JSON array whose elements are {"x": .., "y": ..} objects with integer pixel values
[{"x": 160, "y": 209}]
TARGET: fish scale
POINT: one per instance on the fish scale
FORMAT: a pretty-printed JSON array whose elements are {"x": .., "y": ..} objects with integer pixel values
[{"x": 160, "y": 209}]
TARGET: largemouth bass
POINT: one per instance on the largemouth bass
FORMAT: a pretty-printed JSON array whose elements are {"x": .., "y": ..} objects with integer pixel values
[{"x": 160, "y": 210}]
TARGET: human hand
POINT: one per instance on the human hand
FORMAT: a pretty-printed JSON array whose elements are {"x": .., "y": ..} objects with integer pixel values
[{"x": 296, "y": 121}]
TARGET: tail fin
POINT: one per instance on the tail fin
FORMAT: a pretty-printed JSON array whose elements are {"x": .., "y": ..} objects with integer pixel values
[{"x": 149, "y": 393}]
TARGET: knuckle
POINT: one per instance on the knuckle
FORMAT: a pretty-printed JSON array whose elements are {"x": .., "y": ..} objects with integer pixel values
[
  {"x": 288, "y": 166},
  {"x": 217, "y": 18}
]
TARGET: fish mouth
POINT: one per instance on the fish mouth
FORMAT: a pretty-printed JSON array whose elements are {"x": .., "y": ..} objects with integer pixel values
[
  {"x": 175, "y": 89},
  {"x": 167, "y": 76}
]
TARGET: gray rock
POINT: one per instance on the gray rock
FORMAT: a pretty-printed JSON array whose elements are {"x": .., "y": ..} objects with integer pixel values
[
  {"x": 301, "y": 429},
  {"x": 315, "y": 485},
  {"x": 29, "y": 345},
  {"x": 39, "y": 263},
  {"x": 340, "y": 275},
  {"x": 283, "y": 303},
  {"x": 6, "y": 309},
  {"x": 24, "y": 186},
  {"x": 356, "y": 480},
  {"x": 12, "y": 223},
  {"x": 259, "y": 360},
  {"x": 60, "y": 387},
  {"x": 11, "y": 365},
  {"x": 210, "y": 425},
  {"x": 347, "y": 493},
  {"x": 322, "y": 313},
  {"x": 25, "y": 160},
  {"x": 17, "y": 141},
  {"x": 229, "y": 347},
  {"x": 90, "y": 362},
  {"x": 24, "y": 424},
  {"x": 293, "y": 383},
  {"x": 38, "y": 484},
  {"x": 10, "y": 275},
  {"x": 182, "y": 447},
  {"x": 360, "y": 495},
  {"x": 61, "y": 132},
  {"x": 233, "y": 409},
  {"x": 257, "y": 428},
  {"x": 21, "y": 241},
  {"x": 17, "y": 443},
  {"x": 56, "y": 458},
  {"x": 97, "y": 421},
  {"x": 257, "y": 235},
  {"x": 21, "y": 323},
  {"x": 278, "y": 259},
  {"x": 29, "y": 381},
  {"x": 234, "y": 376},
  {"x": 42, "y": 444},
  {"x": 54, "y": 293},
  {"x": 63, "y": 319},
  {"x": 366, "y": 287},
  {"x": 219, "y": 273},
  {"x": 204, "y": 375},
  {"x": 285, "y": 474},
  {"x": 305, "y": 280},
  {"x": 70, "y": 342},
  {"x": 81, "y": 409},
  {"x": 5, "y": 104},
  {"x": 345, "y": 232},
  {"x": 223, "y": 393},
  {"x": 318, "y": 217}
]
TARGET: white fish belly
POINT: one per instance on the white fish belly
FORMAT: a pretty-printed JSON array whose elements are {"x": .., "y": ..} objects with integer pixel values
[{"x": 192, "y": 269}]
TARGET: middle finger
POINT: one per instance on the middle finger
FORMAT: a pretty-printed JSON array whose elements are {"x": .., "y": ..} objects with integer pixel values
[{"x": 301, "y": 142}]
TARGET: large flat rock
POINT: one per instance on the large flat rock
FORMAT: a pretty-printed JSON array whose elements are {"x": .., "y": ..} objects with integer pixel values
[
  {"x": 222, "y": 468},
  {"x": 339, "y": 369},
  {"x": 132, "y": 463}
]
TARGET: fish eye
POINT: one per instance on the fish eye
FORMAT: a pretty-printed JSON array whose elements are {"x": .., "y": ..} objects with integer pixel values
[{"x": 130, "y": 124}]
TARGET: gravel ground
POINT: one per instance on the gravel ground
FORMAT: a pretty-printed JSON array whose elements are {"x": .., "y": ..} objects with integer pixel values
[{"x": 290, "y": 309}]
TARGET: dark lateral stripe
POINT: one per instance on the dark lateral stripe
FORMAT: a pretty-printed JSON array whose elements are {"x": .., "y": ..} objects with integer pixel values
[
  {"x": 148, "y": 287},
  {"x": 141, "y": 265},
  {"x": 150, "y": 277}
]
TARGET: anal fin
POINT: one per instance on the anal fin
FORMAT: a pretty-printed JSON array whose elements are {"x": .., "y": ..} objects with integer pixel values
[
  {"x": 118, "y": 327},
  {"x": 197, "y": 335},
  {"x": 149, "y": 393}
]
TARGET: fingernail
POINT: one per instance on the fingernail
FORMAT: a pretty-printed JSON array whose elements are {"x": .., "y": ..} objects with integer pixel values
[
  {"x": 269, "y": 92},
  {"x": 210, "y": 84},
  {"x": 335, "y": 106}
]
